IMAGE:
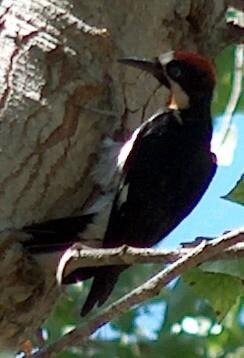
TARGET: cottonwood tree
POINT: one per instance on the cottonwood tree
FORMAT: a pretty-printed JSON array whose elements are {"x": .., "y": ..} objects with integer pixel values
[{"x": 62, "y": 93}]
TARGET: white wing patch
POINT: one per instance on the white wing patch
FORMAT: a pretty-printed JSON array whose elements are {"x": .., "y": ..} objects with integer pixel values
[
  {"x": 126, "y": 149},
  {"x": 123, "y": 195},
  {"x": 128, "y": 146}
]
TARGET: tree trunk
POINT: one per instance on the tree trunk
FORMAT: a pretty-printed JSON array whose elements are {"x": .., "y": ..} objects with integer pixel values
[{"x": 62, "y": 92}]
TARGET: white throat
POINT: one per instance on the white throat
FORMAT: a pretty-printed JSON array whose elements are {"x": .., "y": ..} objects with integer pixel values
[{"x": 179, "y": 99}]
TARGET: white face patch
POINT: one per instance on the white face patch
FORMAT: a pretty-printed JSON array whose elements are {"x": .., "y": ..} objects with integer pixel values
[
  {"x": 166, "y": 58},
  {"x": 180, "y": 99}
]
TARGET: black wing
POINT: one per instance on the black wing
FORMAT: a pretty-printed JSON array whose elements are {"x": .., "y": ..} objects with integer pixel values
[{"x": 148, "y": 183}]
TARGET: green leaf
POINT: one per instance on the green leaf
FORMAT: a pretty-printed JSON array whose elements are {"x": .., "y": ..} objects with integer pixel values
[
  {"x": 237, "y": 193},
  {"x": 224, "y": 64},
  {"x": 220, "y": 289},
  {"x": 175, "y": 346},
  {"x": 182, "y": 302},
  {"x": 230, "y": 267},
  {"x": 126, "y": 322},
  {"x": 68, "y": 354},
  {"x": 225, "y": 69}
]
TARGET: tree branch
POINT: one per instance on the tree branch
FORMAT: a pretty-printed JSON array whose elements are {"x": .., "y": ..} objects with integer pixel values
[
  {"x": 202, "y": 252},
  {"x": 78, "y": 256}
]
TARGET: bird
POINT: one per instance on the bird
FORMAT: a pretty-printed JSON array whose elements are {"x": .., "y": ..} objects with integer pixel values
[
  {"x": 168, "y": 167},
  {"x": 164, "y": 169}
]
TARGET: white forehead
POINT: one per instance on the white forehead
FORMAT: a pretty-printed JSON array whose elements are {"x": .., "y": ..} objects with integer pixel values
[{"x": 166, "y": 57}]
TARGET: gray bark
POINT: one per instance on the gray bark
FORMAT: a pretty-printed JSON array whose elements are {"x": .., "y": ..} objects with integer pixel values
[{"x": 61, "y": 93}]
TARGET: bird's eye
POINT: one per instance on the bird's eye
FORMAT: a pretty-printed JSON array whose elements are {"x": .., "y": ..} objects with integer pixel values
[{"x": 174, "y": 70}]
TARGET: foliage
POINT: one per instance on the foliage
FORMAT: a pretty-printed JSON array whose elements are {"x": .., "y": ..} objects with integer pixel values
[{"x": 237, "y": 193}]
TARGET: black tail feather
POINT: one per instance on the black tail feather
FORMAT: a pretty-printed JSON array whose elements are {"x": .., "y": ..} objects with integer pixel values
[
  {"x": 102, "y": 286},
  {"x": 55, "y": 235},
  {"x": 59, "y": 234}
]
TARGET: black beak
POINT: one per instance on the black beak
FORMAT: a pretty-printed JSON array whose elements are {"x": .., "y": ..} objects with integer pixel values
[{"x": 152, "y": 66}]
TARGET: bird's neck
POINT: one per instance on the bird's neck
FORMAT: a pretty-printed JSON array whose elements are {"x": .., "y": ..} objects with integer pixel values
[
  {"x": 196, "y": 108},
  {"x": 199, "y": 117},
  {"x": 197, "y": 112}
]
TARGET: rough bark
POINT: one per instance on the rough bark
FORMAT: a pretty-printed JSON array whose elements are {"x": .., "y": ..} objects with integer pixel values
[{"x": 61, "y": 93}]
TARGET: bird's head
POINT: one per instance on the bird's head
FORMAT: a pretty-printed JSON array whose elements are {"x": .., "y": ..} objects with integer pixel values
[{"x": 190, "y": 77}]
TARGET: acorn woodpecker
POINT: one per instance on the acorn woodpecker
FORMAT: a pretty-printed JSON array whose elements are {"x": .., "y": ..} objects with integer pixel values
[{"x": 164, "y": 168}]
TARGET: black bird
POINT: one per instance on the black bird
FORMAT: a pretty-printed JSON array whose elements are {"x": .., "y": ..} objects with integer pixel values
[{"x": 169, "y": 165}]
